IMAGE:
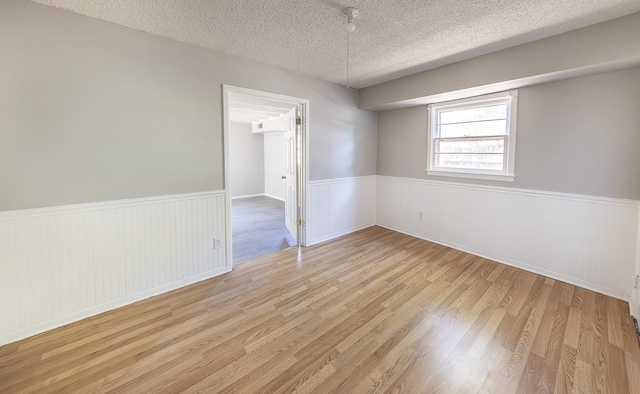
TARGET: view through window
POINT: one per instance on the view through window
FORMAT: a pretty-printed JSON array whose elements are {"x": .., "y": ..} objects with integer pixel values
[{"x": 473, "y": 137}]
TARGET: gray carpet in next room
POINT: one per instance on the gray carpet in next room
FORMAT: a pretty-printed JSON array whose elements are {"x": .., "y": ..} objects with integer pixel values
[{"x": 258, "y": 227}]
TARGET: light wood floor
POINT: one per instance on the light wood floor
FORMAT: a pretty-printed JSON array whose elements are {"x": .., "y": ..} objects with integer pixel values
[
  {"x": 375, "y": 311},
  {"x": 258, "y": 227}
]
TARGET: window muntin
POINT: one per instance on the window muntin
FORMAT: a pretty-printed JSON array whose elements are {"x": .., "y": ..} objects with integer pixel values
[{"x": 473, "y": 137}]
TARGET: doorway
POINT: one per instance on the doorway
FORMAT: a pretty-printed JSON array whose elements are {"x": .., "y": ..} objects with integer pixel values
[{"x": 263, "y": 218}]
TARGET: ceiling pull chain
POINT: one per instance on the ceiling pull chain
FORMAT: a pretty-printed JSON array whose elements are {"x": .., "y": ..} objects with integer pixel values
[
  {"x": 348, "y": 60},
  {"x": 350, "y": 13}
]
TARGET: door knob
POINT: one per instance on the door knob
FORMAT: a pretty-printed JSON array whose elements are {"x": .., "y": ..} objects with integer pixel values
[{"x": 284, "y": 177}]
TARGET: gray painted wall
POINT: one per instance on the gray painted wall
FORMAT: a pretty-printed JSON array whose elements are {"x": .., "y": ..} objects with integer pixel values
[
  {"x": 92, "y": 111},
  {"x": 576, "y": 136},
  {"x": 246, "y": 160}
]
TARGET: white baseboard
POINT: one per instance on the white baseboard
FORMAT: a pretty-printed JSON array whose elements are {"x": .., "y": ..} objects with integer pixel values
[
  {"x": 274, "y": 197},
  {"x": 329, "y": 237},
  {"x": 248, "y": 196}
]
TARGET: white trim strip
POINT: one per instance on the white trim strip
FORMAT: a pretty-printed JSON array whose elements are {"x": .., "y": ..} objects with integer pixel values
[
  {"x": 329, "y": 237},
  {"x": 248, "y": 196},
  {"x": 347, "y": 179},
  {"x": 274, "y": 197},
  {"x": 101, "y": 205},
  {"x": 471, "y": 175},
  {"x": 528, "y": 192}
]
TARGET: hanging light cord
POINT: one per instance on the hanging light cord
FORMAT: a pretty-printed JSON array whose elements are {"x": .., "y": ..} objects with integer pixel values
[
  {"x": 350, "y": 13},
  {"x": 348, "y": 34}
]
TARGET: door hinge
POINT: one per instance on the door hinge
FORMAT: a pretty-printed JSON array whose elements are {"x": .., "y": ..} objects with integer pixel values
[
  {"x": 298, "y": 121},
  {"x": 301, "y": 222}
]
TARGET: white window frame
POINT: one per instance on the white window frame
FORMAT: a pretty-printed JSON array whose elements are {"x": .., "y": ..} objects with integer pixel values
[{"x": 508, "y": 173}]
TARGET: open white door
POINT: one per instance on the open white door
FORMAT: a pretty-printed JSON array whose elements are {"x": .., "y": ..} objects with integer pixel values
[{"x": 291, "y": 172}]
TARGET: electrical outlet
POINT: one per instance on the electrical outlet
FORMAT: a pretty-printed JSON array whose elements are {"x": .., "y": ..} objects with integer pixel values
[
  {"x": 217, "y": 244},
  {"x": 420, "y": 215}
]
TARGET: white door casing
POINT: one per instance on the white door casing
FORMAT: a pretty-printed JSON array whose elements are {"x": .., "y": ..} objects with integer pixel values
[
  {"x": 291, "y": 172},
  {"x": 302, "y": 154}
]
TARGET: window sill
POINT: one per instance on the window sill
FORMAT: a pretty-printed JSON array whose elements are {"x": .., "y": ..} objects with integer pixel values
[{"x": 473, "y": 175}]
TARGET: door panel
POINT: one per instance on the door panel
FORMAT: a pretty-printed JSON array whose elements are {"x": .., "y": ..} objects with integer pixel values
[{"x": 291, "y": 173}]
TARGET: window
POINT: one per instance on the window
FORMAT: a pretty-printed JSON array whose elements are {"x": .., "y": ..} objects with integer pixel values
[{"x": 474, "y": 137}]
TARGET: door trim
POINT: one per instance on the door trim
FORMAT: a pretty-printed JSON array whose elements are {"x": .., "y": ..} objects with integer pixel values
[{"x": 303, "y": 174}]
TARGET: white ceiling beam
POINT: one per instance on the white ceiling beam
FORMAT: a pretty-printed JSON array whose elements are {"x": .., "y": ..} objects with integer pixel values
[
  {"x": 252, "y": 118},
  {"x": 281, "y": 110},
  {"x": 244, "y": 99},
  {"x": 253, "y": 111}
]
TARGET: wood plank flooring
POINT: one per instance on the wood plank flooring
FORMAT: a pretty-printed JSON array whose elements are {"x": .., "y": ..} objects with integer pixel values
[
  {"x": 258, "y": 227},
  {"x": 371, "y": 312}
]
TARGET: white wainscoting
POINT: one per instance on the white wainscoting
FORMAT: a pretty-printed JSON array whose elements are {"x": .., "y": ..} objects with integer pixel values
[
  {"x": 587, "y": 241},
  {"x": 339, "y": 206},
  {"x": 635, "y": 300},
  {"x": 63, "y": 264}
]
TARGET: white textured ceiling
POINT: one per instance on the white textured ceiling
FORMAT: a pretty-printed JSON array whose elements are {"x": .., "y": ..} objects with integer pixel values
[{"x": 393, "y": 37}]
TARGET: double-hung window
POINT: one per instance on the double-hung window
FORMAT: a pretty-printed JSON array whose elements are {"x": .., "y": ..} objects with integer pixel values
[{"x": 474, "y": 137}]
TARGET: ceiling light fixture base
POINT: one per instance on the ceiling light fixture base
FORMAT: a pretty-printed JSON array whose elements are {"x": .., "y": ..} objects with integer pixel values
[{"x": 351, "y": 13}]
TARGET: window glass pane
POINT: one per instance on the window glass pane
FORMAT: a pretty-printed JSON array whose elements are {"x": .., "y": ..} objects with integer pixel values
[
  {"x": 471, "y": 146},
  {"x": 489, "y": 112},
  {"x": 492, "y": 127},
  {"x": 470, "y": 161}
]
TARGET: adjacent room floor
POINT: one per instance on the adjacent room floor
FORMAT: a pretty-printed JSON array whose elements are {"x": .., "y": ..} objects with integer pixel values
[
  {"x": 258, "y": 227},
  {"x": 374, "y": 311}
]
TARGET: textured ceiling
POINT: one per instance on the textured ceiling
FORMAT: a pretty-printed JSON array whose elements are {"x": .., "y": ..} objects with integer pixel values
[{"x": 393, "y": 37}]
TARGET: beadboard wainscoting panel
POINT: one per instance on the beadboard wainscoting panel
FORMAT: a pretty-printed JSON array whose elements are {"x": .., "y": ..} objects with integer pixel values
[
  {"x": 586, "y": 241},
  {"x": 340, "y": 206},
  {"x": 63, "y": 264},
  {"x": 635, "y": 300}
]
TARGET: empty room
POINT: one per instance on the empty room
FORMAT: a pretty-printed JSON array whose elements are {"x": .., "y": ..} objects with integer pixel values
[
  {"x": 319, "y": 196},
  {"x": 260, "y": 222}
]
